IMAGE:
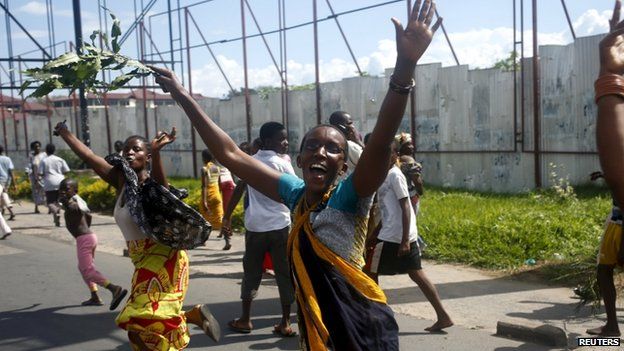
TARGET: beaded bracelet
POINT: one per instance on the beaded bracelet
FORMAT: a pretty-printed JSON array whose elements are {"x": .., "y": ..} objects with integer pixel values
[
  {"x": 400, "y": 89},
  {"x": 609, "y": 84}
]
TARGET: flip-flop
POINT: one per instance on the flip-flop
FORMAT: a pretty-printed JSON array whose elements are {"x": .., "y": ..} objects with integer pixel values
[
  {"x": 285, "y": 333},
  {"x": 210, "y": 325},
  {"x": 92, "y": 303},
  {"x": 117, "y": 298},
  {"x": 234, "y": 327}
]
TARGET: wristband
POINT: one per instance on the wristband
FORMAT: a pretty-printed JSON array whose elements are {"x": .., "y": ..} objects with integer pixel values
[
  {"x": 609, "y": 84},
  {"x": 400, "y": 89}
]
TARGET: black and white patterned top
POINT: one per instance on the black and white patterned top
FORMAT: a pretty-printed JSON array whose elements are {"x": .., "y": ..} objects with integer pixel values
[{"x": 159, "y": 212}]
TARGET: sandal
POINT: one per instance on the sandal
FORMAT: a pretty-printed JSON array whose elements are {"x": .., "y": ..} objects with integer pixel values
[
  {"x": 285, "y": 333},
  {"x": 118, "y": 296},
  {"x": 233, "y": 325},
  {"x": 210, "y": 325}
]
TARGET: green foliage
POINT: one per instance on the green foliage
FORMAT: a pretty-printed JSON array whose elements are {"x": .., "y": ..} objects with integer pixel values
[
  {"x": 22, "y": 185},
  {"x": 99, "y": 195},
  {"x": 71, "y": 70},
  {"x": 502, "y": 231},
  {"x": 509, "y": 63},
  {"x": 73, "y": 161}
]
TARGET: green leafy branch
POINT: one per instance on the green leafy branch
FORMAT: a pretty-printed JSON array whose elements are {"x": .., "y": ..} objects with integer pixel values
[{"x": 71, "y": 70}]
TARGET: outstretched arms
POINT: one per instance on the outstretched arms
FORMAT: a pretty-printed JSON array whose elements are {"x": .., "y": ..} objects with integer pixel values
[
  {"x": 252, "y": 171},
  {"x": 97, "y": 163},
  {"x": 411, "y": 45}
]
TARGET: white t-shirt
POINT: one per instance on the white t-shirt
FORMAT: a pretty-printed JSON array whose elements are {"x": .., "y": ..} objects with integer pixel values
[
  {"x": 6, "y": 165},
  {"x": 355, "y": 151},
  {"x": 264, "y": 214},
  {"x": 52, "y": 168},
  {"x": 390, "y": 192}
]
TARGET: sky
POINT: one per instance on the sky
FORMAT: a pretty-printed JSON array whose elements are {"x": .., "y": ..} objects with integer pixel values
[{"x": 481, "y": 32}]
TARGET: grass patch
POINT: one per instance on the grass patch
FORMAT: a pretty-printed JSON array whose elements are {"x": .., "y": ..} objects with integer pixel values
[{"x": 503, "y": 231}]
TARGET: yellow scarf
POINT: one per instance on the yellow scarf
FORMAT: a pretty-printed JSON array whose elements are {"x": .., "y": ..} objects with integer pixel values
[{"x": 316, "y": 332}]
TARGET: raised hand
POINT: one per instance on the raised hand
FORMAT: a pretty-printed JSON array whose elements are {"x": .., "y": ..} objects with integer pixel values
[
  {"x": 60, "y": 126},
  {"x": 167, "y": 80},
  {"x": 416, "y": 37},
  {"x": 612, "y": 46},
  {"x": 163, "y": 138}
]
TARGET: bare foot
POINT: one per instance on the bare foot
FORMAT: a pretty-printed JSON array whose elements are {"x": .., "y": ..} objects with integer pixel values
[
  {"x": 439, "y": 325},
  {"x": 603, "y": 331}
]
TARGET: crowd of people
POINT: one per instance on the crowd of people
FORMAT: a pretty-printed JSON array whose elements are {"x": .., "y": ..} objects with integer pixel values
[{"x": 327, "y": 236}]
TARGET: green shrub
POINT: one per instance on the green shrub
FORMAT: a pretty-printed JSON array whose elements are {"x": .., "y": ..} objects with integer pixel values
[
  {"x": 99, "y": 195},
  {"x": 73, "y": 161}
]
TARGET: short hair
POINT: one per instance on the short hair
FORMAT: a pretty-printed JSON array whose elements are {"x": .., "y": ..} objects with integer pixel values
[
  {"x": 245, "y": 146},
  {"x": 270, "y": 129},
  {"x": 32, "y": 145},
  {"x": 50, "y": 148},
  {"x": 118, "y": 144},
  {"x": 338, "y": 117},
  {"x": 69, "y": 182},
  {"x": 305, "y": 136},
  {"x": 366, "y": 137},
  {"x": 206, "y": 155},
  {"x": 148, "y": 146},
  {"x": 1, "y": 149}
]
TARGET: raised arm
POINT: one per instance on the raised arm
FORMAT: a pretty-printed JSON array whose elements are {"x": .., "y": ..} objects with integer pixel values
[
  {"x": 158, "y": 171},
  {"x": 411, "y": 45},
  {"x": 225, "y": 150},
  {"x": 109, "y": 174}
]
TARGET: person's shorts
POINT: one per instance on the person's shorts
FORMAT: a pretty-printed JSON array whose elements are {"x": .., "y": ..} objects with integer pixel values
[
  {"x": 52, "y": 196},
  {"x": 384, "y": 260},
  {"x": 610, "y": 244}
]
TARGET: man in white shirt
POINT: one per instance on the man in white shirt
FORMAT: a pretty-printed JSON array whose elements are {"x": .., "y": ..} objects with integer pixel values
[
  {"x": 6, "y": 180},
  {"x": 396, "y": 250},
  {"x": 343, "y": 121},
  {"x": 267, "y": 225},
  {"x": 52, "y": 169}
]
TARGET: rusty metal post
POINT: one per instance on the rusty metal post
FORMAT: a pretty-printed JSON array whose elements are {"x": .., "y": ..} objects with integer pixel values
[
  {"x": 23, "y": 104},
  {"x": 565, "y": 9},
  {"x": 536, "y": 102},
  {"x": 316, "y": 65},
  {"x": 143, "y": 82},
  {"x": 49, "y": 117},
  {"x": 246, "y": 92},
  {"x": 190, "y": 87},
  {"x": 413, "y": 96},
  {"x": 515, "y": 81},
  {"x": 344, "y": 37},
  {"x": 448, "y": 41},
  {"x": 522, "y": 85},
  {"x": 2, "y": 115},
  {"x": 286, "y": 120},
  {"x": 105, "y": 98}
]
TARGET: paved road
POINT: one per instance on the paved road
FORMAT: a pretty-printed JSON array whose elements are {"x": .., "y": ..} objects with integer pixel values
[{"x": 42, "y": 290}]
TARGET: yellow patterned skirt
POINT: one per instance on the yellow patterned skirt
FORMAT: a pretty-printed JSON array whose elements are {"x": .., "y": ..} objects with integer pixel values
[
  {"x": 214, "y": 213},
  {"x": 159, "y": 284}
]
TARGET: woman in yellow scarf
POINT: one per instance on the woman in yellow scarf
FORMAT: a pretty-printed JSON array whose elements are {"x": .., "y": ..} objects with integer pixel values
[{"x": 340, "y": 308}]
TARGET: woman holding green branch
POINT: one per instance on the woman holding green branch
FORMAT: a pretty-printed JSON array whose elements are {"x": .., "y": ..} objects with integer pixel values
[{"x": 340, "y": 308}]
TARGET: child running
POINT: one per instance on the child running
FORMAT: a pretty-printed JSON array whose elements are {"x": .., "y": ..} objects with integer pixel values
[
  {"x": 339, "y": 305},
  {"x": 78, "y": 223}
]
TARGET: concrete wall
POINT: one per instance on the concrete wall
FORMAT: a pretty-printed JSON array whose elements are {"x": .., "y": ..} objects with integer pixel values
[{"x": 465, "y": 120}]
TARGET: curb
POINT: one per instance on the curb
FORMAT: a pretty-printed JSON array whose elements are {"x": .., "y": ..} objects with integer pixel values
[{"x": 545, "y": 334}]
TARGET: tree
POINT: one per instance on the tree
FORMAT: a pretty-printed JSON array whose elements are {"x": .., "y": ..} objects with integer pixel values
[{"x": 509, "y": 63}]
